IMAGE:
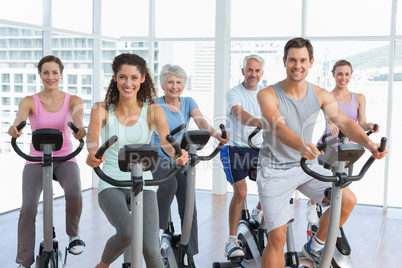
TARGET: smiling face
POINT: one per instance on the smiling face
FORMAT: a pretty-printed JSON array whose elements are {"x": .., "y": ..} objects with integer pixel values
[
  {"x": 297, "y": 64},
  {"x": 173, "y": 86},
  {"x": 252, "y": 72},
  {"x": 342, "y": 75},
  {"x": 128, "y": 80},
  {"x": 51, "y": 75}
]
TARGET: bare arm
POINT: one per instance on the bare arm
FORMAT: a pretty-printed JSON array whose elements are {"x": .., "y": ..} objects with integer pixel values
[
  {"x": 269, "y": 104},
  {"x": 158, "y": 119},
  {"x": 352, "y": 130},
  {"x": 244, "y": 117},
  {"x": 203, "y": 124},
  {"x": 98, "y": 120},
  {"x": 26, "y": 107},
  {"x": 361, "y": 117},
  {"x": 76, "y": 107}
]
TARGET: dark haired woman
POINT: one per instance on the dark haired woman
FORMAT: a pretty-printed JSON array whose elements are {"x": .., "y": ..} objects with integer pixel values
[{"x": 130, "y": 113}]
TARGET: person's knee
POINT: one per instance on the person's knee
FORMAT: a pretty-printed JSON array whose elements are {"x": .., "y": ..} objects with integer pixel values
[
  {"x": 349, "y": 200},
  {"x": 277, "y": 237}
]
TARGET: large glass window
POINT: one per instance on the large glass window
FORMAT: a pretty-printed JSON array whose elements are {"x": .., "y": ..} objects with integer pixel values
[
  {"x": 395, "y": 142},
  {"x": 75, "y": 15},
  {"x": 28, "y": 11},
  {"x": 182, "y": 18},
  {"x": 269, "y": 18},
  {"x": 348, "y": 18},
  {"x": 125, "y": 18}
]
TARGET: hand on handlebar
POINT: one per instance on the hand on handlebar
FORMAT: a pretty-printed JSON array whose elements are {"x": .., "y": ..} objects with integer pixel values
[
  {"x": 310, "y": 151},
  {"x": 183, "y": 159},
  {"x": 221, "y": 139},
  {"x": 333, "y": 129},
  {"x": 376, "y": 153},
  {"x": 94, "y": 162},
  {"x": 13, "y": 132},
  {"x": 81, "y": 133}
]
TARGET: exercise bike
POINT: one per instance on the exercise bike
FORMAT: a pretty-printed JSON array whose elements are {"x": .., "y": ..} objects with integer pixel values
[
  {"x": 342, "y": 254},
  {"x": 338, "y": 159},
  {"x": 136, "y": 158},
  {"x": 175, "y": 248},
  {"x": 252, "y": 235},
  {"x": 48, "y": 140}
]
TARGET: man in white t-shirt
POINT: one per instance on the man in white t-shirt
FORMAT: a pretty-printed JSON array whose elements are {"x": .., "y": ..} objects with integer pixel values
[{"x": 238, "y": 159}]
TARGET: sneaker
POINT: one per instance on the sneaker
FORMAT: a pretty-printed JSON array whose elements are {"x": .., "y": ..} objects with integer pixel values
[
  {"x": 233, "y": 249},
  {"x": 22, "y": 266},
  {"x": 257, "y": 215},
  {"x": 312, "y": 255},
  {"x": 311, "y": 215},
  {"x": 76, "y": 245}
]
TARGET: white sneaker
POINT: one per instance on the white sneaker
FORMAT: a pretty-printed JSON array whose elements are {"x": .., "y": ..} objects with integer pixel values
[
  {"x": 76, "y": 245},
  {"x": 233, "y": 249},
  {"x": 257, "y": 215},
  {"x": 311, "y": 215}
]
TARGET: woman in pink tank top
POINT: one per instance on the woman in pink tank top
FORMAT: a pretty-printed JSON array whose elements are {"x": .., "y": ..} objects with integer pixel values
[{"x": 50, "y": 108}]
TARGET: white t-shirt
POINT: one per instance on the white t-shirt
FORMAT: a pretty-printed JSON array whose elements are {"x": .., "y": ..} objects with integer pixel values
[{"x": 247, "y": 99}]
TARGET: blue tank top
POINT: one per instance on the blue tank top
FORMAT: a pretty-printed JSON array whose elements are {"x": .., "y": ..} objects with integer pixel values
[
  {"x": 138, "y": 133},
  {"x": 300, "y": 116}
]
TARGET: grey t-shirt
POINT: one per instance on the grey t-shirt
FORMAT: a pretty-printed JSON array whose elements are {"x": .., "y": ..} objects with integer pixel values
[{"x": 300, "y": 116}]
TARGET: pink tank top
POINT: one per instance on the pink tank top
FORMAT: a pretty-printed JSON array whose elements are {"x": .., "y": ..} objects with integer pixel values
[{"x": 58, "y": 120}]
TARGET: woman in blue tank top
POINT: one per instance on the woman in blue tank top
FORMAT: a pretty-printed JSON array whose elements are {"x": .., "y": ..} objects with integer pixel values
[
  {"x": 129, "y": 111},
  {"x": 178, "y": 110}
]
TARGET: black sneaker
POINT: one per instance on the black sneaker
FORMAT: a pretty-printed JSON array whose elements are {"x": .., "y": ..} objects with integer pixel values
[{"x": 312, "y": 255}]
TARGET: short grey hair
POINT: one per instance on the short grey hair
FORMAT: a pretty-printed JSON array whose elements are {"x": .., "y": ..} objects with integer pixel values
[
  {"x": 175, "y": 70},
  {"x": 253, "y": 56}
]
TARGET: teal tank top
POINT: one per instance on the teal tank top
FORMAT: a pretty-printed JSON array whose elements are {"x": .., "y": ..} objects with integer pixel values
[
  {"x": 300, "y": 116},
  {"x": 138, "y": 133}
]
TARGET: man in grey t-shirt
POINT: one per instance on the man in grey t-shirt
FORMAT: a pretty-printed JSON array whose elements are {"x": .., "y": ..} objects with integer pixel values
[{"x": 289, "y": 109}]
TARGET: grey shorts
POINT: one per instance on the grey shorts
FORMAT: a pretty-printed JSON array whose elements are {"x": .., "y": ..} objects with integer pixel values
[{"x": 276, "y": 188}]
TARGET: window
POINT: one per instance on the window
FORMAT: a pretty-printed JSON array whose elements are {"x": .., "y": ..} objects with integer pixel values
[
  {"x": 17, "y": 101},
  {"x": 5, "y": 78},
  {"x": 31, "y": 78},
  {"x": 324, "y": 19},
  {"x": 265, "y": 19},
  {"x": 5, "y": 101},
  {"x": 5, "y": 88},
  {"x": 18, "y": 89},
  {"x": 86, "y": 79},
  {"x": 170, "y": 18},
  {"x": 66, "y": 15},
  {"x": 72, "y": 79}
]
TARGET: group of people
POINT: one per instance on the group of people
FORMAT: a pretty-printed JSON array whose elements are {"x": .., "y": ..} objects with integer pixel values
[{"x": 132, "y": 111}]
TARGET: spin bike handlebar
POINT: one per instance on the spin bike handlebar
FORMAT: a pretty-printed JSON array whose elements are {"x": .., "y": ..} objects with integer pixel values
[
  {"x": 218, "y": 148},
  {"x": 39, "y": 159},
  {"x": 129, "y": 183},
  {"x": 331, "y": 142},
  {"x": 341, "y": 135},
  {"x": 252, "y": 134}
]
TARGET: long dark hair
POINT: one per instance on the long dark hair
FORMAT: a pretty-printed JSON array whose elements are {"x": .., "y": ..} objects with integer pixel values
[{"x": 147, "y": 92}]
